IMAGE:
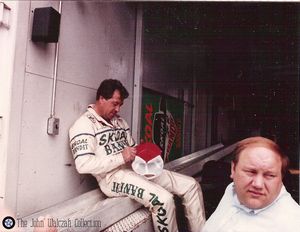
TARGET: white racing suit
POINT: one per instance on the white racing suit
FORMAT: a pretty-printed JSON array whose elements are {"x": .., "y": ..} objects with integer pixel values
[{"x": 97, "y": 145}]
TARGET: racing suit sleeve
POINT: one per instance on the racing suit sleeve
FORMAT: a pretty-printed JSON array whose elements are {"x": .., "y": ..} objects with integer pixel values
[{"x": 86, "y": 152}]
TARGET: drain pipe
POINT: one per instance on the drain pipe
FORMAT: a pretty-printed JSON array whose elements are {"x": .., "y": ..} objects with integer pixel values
[{"x": 53, "y": 123}]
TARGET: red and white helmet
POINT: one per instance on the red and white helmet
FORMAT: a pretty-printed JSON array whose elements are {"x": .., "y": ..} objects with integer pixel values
[{"x": 148, "y": 161}]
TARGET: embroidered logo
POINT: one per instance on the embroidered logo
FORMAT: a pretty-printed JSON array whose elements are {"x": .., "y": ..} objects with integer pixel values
[{"x": 92, "y": 118}]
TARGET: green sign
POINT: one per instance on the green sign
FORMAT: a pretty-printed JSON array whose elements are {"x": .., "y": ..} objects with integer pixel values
[{"x": 162, "y": 123}]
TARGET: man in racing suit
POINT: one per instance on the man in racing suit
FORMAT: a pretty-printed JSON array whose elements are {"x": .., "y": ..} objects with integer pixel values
[{"x": 102, "y": 145}]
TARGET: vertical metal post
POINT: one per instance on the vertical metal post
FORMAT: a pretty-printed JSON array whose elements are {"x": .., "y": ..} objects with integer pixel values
[
  {"x": 194, "y": 102},
  {"x": 53, "y": 123},
  {"x": 55, "y": 72},
  {"x": 298, "y": 121},
  {"x": 138, "y": 72}
]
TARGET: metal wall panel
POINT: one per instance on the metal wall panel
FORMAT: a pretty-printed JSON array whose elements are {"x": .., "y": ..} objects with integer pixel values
[
  {"x": 47, "y": 174},
  {"x": 40, "y": 56},
  {"x": 96, "y": 42}
]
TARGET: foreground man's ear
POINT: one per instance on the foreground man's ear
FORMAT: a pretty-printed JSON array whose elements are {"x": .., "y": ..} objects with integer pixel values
[{"x": 232, "y": 169}]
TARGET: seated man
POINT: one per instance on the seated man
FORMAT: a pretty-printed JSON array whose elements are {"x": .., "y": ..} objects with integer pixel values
[
  {"x": 102, "y": 146},
  {"x": 257, "y": 199}
]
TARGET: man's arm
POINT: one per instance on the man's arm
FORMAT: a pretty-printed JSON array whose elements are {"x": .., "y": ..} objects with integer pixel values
[{"x": 89, "y": 157}]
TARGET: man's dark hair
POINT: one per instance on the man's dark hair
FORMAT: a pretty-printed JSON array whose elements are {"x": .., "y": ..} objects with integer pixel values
[{"x": 108, "y": 87}]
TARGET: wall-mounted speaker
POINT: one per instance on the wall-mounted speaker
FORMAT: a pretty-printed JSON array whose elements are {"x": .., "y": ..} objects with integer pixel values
[{"x": 45, "y": 27}]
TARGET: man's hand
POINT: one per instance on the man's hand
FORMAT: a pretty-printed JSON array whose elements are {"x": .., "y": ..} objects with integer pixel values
[{"x": 129, "y": 154}]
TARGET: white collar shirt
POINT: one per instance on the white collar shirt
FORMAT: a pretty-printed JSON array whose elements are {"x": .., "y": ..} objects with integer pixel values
[{"x": 282, "y": 215}]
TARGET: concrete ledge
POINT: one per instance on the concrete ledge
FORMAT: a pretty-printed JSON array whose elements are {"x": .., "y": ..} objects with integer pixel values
[
  {"x": 92, "y": 209},
  {"x": 197, "y": 166},
  {"x": 183, "y": 162}
]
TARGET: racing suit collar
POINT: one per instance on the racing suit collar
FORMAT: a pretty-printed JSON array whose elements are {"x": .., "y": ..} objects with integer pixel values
[{"x": 98, "y": 117}]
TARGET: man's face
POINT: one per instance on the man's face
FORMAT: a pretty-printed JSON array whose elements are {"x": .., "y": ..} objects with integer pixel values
[
  {"x": 257, "y": 177},
  {"x": 111, "y": 106}
]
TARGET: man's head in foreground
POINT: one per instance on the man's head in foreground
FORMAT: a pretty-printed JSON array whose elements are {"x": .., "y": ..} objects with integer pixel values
[{"x": 257, "y": 171}]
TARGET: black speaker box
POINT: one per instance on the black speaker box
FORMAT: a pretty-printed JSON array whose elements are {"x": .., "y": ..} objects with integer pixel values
[{"x": 45, "y": 27}]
